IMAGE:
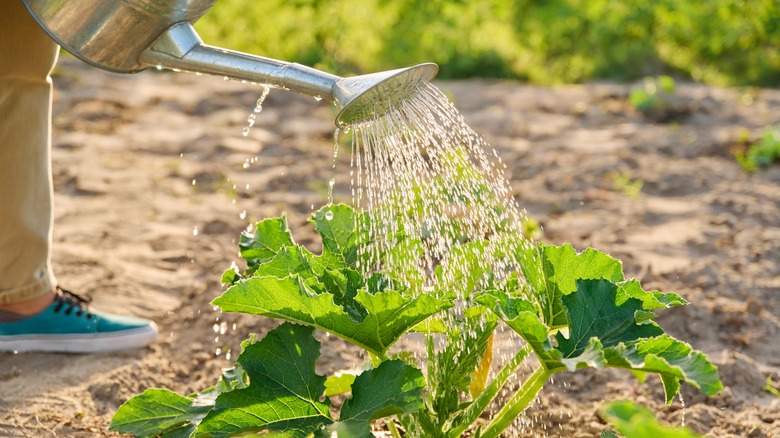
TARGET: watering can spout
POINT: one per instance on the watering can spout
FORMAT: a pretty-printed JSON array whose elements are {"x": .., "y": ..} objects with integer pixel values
[
  {"x": 180, "y": 48},
  {"x": 127, "y": 36},
  {"x": 358, "y": 98}
]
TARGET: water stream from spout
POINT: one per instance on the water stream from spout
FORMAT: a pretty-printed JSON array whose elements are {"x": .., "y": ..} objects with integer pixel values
[
  {"x": 432, "y": 190},
  {"x": 419, "y": 170}
]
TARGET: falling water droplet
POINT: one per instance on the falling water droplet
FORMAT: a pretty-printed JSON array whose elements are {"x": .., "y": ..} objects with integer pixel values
[
  {"x": 261, "y": 99},
  {"x": 242, "y": 215},
  {"x": 331, "y": 183},
  {"x": 318, "y": 98},
  {"x": 329, "y": 215},
  {"x": 245, "y": 131},
  {"x": 226, "y": 78},
  {"x": 195, "y": 231},
  {"x": 245, "y": 166},
  {"x": 251, "y": 120},
  {"x": 335, "y": 147}
]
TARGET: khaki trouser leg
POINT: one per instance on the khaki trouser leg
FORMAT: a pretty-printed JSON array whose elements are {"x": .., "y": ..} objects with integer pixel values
[{"x": 27, "y": 57}]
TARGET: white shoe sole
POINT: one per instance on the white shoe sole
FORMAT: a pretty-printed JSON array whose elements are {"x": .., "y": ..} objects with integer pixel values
[{"x": 74, "y": 343}]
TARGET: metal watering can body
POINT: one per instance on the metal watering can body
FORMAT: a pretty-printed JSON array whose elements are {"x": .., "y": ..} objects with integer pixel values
[
  {"x": 128, "y": 36},
  {"x": 114, "y": 34}
]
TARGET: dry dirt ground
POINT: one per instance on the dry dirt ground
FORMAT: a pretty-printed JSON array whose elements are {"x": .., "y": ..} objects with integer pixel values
[{"x": 142, "y": 162}]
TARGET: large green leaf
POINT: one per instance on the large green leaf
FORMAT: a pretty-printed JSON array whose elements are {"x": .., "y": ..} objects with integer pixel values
[
  {"x": 271, "y": 250},
  {"x": 289, "y": 260},
  {"x": 339, "y": 384},
  {"x": 607, "y": 329},
  {"x": 388, "y": 313},
  {"x": 563, "y": 266},
  {"x": 592, "y": 313},
  {"x": 523, "y": 317},
  {"x": 551, "y": 272},
  {"x": 284, "y": 391},
  {"x": 156, "y": 411},
  {"x": 393, "y": 388},
  {"x": 270, "y": 235},
  {"x": 650, "y": 300},
  {"x": 338, "y": 227},
  {"x": 672, "y": 359},
  {"x": 344, "y": 285},
  {"x": 622, "y": 336}
]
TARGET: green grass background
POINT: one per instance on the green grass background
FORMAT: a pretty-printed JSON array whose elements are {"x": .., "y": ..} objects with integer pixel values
[{"x": 719, "y": 42}]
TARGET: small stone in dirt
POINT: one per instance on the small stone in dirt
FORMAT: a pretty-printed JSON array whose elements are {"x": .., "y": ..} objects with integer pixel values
[
  {"x": 753, "y": 306},
  {"x": 756, "y": 433}
]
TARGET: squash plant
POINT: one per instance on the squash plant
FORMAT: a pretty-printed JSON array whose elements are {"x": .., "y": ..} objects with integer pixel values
[{"x": 573, "y": 310}]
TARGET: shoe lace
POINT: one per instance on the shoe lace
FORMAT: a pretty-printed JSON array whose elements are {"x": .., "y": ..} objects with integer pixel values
[{"x": 70, "y": 301}]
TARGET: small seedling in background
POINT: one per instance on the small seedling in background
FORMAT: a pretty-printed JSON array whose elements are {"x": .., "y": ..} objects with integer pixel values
[
  {"x": 532, "y": 229},
  {"x": 655, "y": 95},
  {"x": 772, "y": 387},
  {"x": 634, "y": 421},
  {"x": 761, "y": 153},
  {"x": 625, "y": 183}
]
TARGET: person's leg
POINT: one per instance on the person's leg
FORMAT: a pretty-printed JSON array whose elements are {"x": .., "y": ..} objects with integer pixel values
[
  {"x": 35, "y": 314},
  {"x": 27, "y": 56}
]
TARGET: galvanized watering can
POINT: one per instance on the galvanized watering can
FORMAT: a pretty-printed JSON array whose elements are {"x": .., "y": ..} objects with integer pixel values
[{"x": 128, "y": 36}]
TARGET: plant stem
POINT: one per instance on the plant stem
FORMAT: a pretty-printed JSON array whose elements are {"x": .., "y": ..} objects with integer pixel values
[
  {"x": 431, "y": 353},
  {"x": 393, "y": 430},
  {"x": 375, "y": 359},
  {"x": 518, "y": 402},
  {"x": 481, "y": 403},
  {"x": 405, "y": 421}
]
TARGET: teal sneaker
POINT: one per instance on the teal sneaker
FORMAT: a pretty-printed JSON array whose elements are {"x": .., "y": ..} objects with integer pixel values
[{"x": 69, "y": 326}]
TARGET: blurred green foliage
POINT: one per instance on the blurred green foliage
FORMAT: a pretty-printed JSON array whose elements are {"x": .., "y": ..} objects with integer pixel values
[
  {"x": 761, "y": 153},
  {"x": 721, "y": 42},
  {"x": 655, "y": 94}
]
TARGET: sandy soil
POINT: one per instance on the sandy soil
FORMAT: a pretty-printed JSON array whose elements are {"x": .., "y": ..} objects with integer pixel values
[{"x": 142, "y": 161}]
